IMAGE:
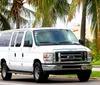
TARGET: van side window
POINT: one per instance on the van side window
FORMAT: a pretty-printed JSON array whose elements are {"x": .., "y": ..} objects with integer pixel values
[
  {"x": 13, "y": 39},
  {"x": 28, "y": 41},
  {"x": 19, "y": 39},
  {"x": 5, "y": 39}
]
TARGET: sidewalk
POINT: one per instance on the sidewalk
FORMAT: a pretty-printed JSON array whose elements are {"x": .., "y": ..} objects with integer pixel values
[{"x": 96, "y": 68}]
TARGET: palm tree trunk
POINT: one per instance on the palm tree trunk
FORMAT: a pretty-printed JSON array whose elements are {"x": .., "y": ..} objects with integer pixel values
[
  {"x": 17, "y": 21},
  {"x": 83, "y": 22},
  {"x": 98, "y": 29},
  {"x": 98, "y": 40}
]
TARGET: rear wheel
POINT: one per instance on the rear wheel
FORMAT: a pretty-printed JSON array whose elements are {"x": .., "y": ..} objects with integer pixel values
[
  {"x": 39, "y": 75},
  {"x": 84, "y": 75},
  {"x": 4, "y": 72}
]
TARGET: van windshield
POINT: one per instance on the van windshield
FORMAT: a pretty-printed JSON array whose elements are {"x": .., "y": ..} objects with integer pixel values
[{"x": 54, "y": 37}]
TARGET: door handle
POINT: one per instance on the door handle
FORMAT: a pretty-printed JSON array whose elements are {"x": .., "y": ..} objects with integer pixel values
[
  {"x": 14, "y": 54},
  {"x": 22, "y": 55}
]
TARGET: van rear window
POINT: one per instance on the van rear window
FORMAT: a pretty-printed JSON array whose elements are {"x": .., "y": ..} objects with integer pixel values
[{"x": 5, "y": 39}]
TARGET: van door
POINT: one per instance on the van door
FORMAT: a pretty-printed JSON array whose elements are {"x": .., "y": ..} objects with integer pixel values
[
  {"x": 15, "y": 51},
  {"x": 27, "y": 52}
]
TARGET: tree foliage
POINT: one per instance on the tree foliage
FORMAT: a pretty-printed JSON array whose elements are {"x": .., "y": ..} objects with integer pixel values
[
  {"x": 4, "y": 24},
  {"x": 47, "y": 11},
  {"x": 94, "y": 13},
  {"x": 16, "y": 10},
  {"x": 92, "y": 8},
  {"x": 74, "y": 6}
]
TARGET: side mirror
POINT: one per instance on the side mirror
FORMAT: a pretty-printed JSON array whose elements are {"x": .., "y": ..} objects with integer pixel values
[
  {"x": 81, "y": 42},
  {"x": 27, "y": 44}
]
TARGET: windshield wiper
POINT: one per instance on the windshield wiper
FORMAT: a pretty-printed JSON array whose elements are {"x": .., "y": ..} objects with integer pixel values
[
  {"x": 68, "y": 42},
  {"x": 65, "y": 42},
  {"x": 50, "y": 43}
]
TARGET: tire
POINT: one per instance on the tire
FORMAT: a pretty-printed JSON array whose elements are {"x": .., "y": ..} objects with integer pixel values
[
  {"x": 46, "y": 76},
  {"x": 39, "y": 75},
  {"x": 84, "y": 76},
  {"x": 4, "y": 72}
]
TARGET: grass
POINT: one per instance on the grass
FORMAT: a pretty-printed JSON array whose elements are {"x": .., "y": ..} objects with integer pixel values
[
  {"x": 95, "y": 74},
  {"x": 96, "y": 62}
]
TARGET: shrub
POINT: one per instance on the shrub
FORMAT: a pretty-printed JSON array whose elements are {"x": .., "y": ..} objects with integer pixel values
[{"x": 93, "y": 47}]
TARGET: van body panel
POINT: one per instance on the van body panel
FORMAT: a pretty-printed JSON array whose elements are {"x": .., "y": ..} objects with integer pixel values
[{"x": 4, "y": 51}]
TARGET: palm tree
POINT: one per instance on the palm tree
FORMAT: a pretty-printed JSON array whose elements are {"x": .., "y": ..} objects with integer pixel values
[
  {"x": 91, "y": 8},
  {"x": 94, "y": 13},
  {"x": 16, "y": 10},
  {"x": 4, "y": 24},
  {"x": 83, "y": 22},
  {"x": 47, "y": 11},
  {"x": 74, "y": 5}
]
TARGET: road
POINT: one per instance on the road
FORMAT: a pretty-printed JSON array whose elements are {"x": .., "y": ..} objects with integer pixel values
[{"x": 53, "y": 80}]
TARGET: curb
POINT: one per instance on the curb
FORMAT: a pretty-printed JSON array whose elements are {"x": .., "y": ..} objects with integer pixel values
[{"x": 71, "y": 77}]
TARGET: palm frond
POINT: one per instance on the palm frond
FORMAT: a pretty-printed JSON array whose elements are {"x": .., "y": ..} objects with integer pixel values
[
  {"x": 62, "y": 8},
  {"x": 48, "y": 10},
  {"x": 93, "y": 13},
  {"x": 73, "y": 8},
  {"x": 27, "y": 12},
  {"x": 4, "y": 24}
]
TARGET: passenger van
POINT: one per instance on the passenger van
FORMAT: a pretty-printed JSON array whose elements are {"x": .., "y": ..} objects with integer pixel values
[{"x": 43, "y": 51}]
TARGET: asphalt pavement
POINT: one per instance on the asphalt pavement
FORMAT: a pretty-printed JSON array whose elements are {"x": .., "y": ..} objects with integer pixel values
[{"x": 52, "y": 80}]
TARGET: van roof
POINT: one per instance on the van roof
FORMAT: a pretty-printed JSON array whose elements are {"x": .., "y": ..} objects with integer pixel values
[{"x": 34, "y": 29}]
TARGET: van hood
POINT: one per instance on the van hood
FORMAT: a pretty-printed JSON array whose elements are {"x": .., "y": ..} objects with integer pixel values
[{"x": 62, "y": 48}]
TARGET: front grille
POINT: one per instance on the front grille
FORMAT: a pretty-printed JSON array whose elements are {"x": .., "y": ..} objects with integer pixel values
[{"x": 70, "y": 56}]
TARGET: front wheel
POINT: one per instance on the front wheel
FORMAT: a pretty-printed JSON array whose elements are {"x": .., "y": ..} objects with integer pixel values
[
  {"x": 84, "y": 75},
  {"x": 4, "y": 72},
  {"x": 39, "y": 75}
]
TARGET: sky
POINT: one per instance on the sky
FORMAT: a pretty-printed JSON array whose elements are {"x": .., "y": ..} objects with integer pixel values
[
  {"x": 75, "y": 20},
  {"x": 69, "y": 25}
]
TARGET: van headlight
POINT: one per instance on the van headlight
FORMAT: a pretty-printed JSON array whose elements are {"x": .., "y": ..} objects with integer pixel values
[
  {"x": 48, "y": 57},
  {"x": 90, "y": 56}
]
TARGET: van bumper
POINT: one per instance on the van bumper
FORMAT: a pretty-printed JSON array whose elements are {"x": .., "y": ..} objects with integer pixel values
[{"x": 65, "y": 68}]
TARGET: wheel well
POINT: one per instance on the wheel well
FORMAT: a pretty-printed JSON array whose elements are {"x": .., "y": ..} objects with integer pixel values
[
  {"x": 36, "y": 60},
  {"x": 2, "y": 60}
]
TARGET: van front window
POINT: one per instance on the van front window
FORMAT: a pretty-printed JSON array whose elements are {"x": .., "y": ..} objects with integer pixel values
[{"x": 55, "y": 37}]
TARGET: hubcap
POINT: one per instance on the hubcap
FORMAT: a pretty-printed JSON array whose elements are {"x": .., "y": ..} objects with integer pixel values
[
  {"x": 4, "y": 71},
  {"x": 37, "y": 71}
]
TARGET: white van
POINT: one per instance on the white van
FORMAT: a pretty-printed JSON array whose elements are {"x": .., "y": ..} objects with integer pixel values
[{"x": 43, "y": 51}]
